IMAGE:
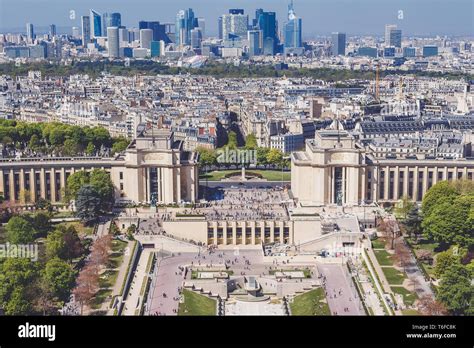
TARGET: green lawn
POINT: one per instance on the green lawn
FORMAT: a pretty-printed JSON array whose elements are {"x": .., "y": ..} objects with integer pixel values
[
  {"x": 196, "y": 304},
  {"x": 80, "y": 228},
  {"x": 270, "y": 175},
  {"x": 306, "y": 272},
  {"x": 410, "y": 312},
  {"x": 383, "y": 257},
  {"x": 108, "y": 279},
  {"x": 118, "y": 245},
  {"x": 100, "y": 297},
  {"x": 408, "y": 296},
  {"x": 378, "y": 243},
  {"x": 394, "y": 276},
  {"x": 310, "y": 303}
]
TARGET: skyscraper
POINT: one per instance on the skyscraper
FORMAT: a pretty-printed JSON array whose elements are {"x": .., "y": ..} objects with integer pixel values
[
  {"x": 338, "y": 44},
  {"x": 159, "y": 30},
  {"x": 254, "y": 38},
  {"x": 146, "y": 37},
  {"x": 202, "y": 25},
  {"x": 185, "y": 22},
  {"x": 393, "y": 36},
  {"x": 76, "y": 33},
  {"x": 113, "y": 41},
  {"x": 86, "y": 30},
  {"x": 157, "y": 48},
  {"x": 30, "y": 32},
  {"x": 96, "y": 23},
  {"x": 196, "y": 38},
  {"x": 123, "y": 35},
  {"x": 52, "y": 30},
  {"x": 236, "y": 23},
  {"x": 293, "y": 29},
  {"x": 266, "y": 22},
  {"x": 219, "y": 27},
  {"x": 111, "y": 20}
]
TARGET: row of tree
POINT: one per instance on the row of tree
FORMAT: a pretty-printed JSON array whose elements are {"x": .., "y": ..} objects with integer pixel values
[
  {"x": 58, "y": 138},
  {"x": 94, "y": 69},
  {"x": 39, "y": 286},
  {"x": 264, "y": 155},
  {"x": 447, "y": 218}
]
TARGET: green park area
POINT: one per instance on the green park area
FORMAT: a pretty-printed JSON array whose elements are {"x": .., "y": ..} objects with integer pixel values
[
  {"x": 408, "y": 296},
  {"x": 196, "y": 304},
  {"x": 270, "y": 175},
  {"x": 310, "y": 303}
]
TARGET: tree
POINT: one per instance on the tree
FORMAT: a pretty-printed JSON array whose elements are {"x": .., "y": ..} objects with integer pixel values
[
  {"x": 442, "y": 191},
  {"x": 101, "y": 181},
  {"x": 59, "y": 276},
  {"x": 44, "y": 204},
  {"x": 25, "y": 196},
  {"x": 55, "y": 245},
  {"x": 90, "y": 149},
  {"x": 16, "y": 274},
  {"x": 262, "y": 155},
  {"x": 44, "y": 301},
  {"x": 429, "y": 306},
  {"x": 101, "y": 249},
  {"x": 120, "y": 145},
  {"x": 232, "y": 140},
  {"x": 88, "y": 203},
  {"x": 444, "y": 260},
  {"x": 402, "y": 255},
  {"x": 42, "y": 222},
  {"x": 87, "y": 285},
  {"x": 390, "y": 230},
  {"x": 275, "y": 157},
  {"x": 412, "y": 222},
  {"x": 207, "y": 157},
  {"x": 73, "y": 247},
  {"x": 450, "y": 222},
  {"x": 75, "y": 182},
  {"x": 251, "y": 142},
  {"x": 20, "y": 231},
  {"x": 455, "y": 290},
  {"x": 403, "y": 207},
  {"x": 71, "y": 147}
]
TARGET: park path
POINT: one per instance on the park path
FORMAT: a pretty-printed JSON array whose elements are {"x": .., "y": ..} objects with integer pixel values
[{"x": 134, "y": 299}]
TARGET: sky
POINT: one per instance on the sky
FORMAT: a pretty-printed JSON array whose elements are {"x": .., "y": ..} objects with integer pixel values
[{"x": 320, "y": 17}]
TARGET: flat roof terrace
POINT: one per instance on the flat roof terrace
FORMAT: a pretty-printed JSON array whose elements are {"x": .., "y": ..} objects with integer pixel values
[{"x": 240, "y": 204}]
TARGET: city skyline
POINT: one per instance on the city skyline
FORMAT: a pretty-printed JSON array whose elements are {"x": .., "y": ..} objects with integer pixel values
[{"x": 432, "y": 17}]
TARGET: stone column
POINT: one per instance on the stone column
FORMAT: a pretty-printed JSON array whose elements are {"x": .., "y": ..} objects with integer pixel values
[
  {"x": 2, "y": 188},
  {"x": 43, "y": 183},
  {"x": 386, "y": 183},
  {"x": 234, "y": 232},
  {"x": 425, "y": 180},
  {"x": 11, "y": 181},
  {"x": 224, "y": 232},
  {"x": 52, "y": 180},
  {"x": 396, "y": 178},
  {"x": 406, "y": 181},
  {"x": 33, "y": 185},
  {"x": 253, "y": 232},
  {"x": 415, "y": 184}
]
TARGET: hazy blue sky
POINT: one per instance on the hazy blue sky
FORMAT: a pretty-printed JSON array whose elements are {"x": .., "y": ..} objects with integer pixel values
[{"x": 320, "y": 17}]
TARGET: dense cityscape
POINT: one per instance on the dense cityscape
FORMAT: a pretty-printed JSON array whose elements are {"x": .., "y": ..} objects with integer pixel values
[{"x": 158, "y": 170}]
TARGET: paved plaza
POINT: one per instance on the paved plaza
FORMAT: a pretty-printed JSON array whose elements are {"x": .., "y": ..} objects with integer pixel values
[{"x": 340, "y": 292}]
